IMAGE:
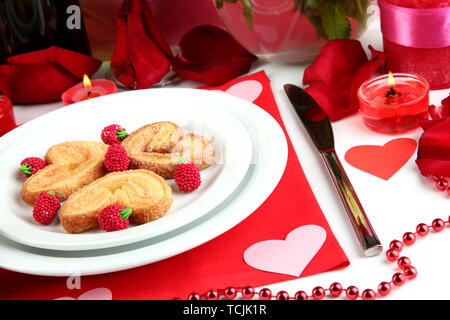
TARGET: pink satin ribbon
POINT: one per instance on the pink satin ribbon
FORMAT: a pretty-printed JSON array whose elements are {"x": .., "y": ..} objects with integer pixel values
[{"x": 412, "y": 27}]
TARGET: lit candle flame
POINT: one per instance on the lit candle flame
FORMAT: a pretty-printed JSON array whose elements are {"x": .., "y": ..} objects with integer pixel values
[
  {"x": 391, "y": 81},
  {"x": 87, "y": 82}
]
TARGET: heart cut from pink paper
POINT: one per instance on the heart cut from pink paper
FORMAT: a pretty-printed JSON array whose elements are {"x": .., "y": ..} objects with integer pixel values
[
  {"x": 290, "y": 256},
  {"x": 382, "y": 161}
]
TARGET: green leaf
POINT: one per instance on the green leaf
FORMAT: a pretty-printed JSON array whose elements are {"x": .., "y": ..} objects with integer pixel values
[
  {"x": 26, "y": 169},
  {"x": 219, "y": 4},
  {"x": 248, "y": 12},
  {"x": 313, "y": 4},
  {"x": 335, "y": 21}
]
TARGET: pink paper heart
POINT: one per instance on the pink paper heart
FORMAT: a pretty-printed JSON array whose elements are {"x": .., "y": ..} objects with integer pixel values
[
  {"x": 248, "y": 90},
  {"x": 290, "y": 256},
  {"x": 94, "y": 294}
]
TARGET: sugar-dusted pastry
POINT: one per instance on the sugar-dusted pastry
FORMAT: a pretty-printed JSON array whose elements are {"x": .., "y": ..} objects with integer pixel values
[
  {"x": 159, "y": 147},
  {"x": 146, "y": 193},
  {"x": 70, "y": 166}
]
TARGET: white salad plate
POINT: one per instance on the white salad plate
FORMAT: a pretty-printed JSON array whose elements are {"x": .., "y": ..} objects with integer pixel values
[
  {"x": 192, "y": 110},
  {"x": 267, "y": 166}
]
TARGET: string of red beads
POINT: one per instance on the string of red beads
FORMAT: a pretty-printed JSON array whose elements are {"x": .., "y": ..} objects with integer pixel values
[{"x": 407, "y": 272}]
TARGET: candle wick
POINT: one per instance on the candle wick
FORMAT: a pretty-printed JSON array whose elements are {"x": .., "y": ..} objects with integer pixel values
[
  {"x": 89, "y": 94},
  {"x": 392, "y": 93}
]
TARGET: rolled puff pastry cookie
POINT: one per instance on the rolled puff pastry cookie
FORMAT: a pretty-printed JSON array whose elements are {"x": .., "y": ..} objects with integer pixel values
[
  {"x": 146, "y": 193},
  {"x": 159, "y": 147},
  {"x": 70, "y": 166}
]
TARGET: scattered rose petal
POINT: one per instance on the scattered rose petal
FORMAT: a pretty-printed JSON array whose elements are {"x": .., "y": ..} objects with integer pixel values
[
  {"x": 336, "y": 75},
  {"x": 211, "y": 55},
  {"x": 42, "y": 76},
  {"x": 440, "y": 112},
  {"x": 141, "y": 56}
]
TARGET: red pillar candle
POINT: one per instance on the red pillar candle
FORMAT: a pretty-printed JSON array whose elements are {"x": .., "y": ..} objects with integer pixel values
[
  {"x": 394, "y": 103},
  {"x": 416, "y": 36},
  {"x": 7, "y": 121},
  {"x": 88, "y": 89}
]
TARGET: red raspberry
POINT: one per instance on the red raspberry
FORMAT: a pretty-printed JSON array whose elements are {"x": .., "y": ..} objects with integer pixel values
[
  {"x": 46, "y": 207},
  {"x": 113, "y": 134},
  {"x": 114, "y": 218},
  {"x": 187, "y": 176},
  {"x": 30, "y": 166},
  {"x": 116, "y": 158}
]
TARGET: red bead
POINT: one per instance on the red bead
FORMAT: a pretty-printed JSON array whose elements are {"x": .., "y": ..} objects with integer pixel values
[
  {"x": 422, "y": 229},
  {"x": 384, "y": 288},
  {"x": 438, "y": 225},
  {"x": 336, "y": 289},
  {"x": 409, "y": 238},
  {"x": 230, "y": 293},
  {"x": 194, "y": 296},
  {"x": 442, "y": 184},
  {"x": 392, "y": 255},
  {"x": 368, "y": 294},
  {"x": 436, "y": 178},
  {"x": 283, "y": 295},
  {"x": 318, "y": 293},
  {"x": 352, "y": 292},
  {"x": 265, "y": 294},
  {"x": 398, "y": 279},
  {"x": 301, "y": 295},
  {"x": 248, "y": 292},
  {"x": 212, "y": 295},
  {"x": 403, "y": 263},
  {"x": 410, "y": 272},
  {"x": 396, "y": 245}
]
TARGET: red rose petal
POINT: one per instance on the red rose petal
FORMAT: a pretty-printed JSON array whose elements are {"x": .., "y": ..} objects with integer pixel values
[
  {"x": 42, "y": 76},
  {"x": 210, "y": 55},
  {"x": 141, "y": 56}
]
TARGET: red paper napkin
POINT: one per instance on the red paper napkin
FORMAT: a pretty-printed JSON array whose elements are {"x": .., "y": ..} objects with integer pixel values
[{"x": 218, "y": 263}]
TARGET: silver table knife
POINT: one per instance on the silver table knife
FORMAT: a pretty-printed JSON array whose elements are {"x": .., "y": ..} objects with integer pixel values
[{"x": 319, "y": 128}]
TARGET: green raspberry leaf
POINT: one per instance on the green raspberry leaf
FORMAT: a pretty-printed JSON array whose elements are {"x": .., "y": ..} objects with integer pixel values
[{"x": 26, "y": 169}]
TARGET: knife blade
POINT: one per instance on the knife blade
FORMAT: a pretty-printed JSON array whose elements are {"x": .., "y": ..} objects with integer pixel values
[{"x": 320, "y": 130}]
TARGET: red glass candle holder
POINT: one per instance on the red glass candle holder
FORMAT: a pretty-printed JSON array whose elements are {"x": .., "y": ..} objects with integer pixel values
[
  {"x": 7, "y": 121},
  {"x": 389, "y": 108}
]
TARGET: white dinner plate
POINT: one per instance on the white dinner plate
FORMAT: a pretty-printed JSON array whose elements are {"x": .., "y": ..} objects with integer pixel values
[
  {"x": 193, "y": 110},
  {"x": 267, "y": 166}
]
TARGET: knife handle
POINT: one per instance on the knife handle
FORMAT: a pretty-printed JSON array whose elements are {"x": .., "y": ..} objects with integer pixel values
[{"x": 366, "y": 235}]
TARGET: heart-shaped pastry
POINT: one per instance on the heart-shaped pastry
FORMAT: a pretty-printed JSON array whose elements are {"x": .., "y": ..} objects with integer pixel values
[
  {"x": 159, "y": 147},
  {"x": 290, "y": 256},
  {"x": 70, "y": 166},
  {"x": 382, "y": 161},
  {"x": 146, "y": 193}
]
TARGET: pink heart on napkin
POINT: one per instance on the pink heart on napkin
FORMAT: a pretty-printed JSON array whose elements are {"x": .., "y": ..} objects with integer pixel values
[
  {"x": 290, "y": 256},
  {"x": 382, "y": 161}
]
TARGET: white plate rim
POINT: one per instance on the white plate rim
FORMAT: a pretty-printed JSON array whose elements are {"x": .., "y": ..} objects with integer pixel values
[
  {"x": 263, "y": 179},
  {"x": 56, "y": 241}
]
